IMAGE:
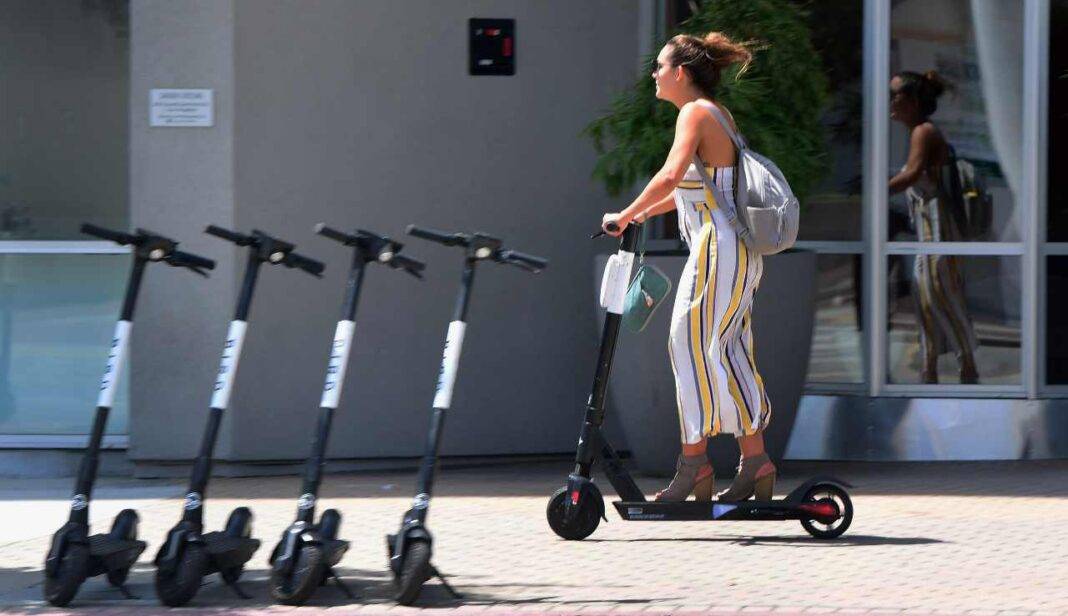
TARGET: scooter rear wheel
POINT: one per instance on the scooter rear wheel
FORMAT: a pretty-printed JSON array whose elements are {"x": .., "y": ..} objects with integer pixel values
[
  {"x": 179, "y": 588},
  {"x": 583, "y": 523},
  {"x": 415, "y": 572},
  {"x": 307, "y": 575},
  {"x": 124, "y": 527},
  {"x": 239, "y": 524},
  {"x": 330, "y": 523},
  {"x": 73, "y": 567},
  {"x": 829, "y": 493}
]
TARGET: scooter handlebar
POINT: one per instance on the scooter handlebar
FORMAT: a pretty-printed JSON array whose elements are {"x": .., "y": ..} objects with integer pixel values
[
  {"x": 118, "y": 237},
  {"x": 529, "y": 262},
  {"x": 334, "y": 234},
  {"x": 185, "y": 259},
  {"x": 449, "y": 239},
  {"x": 313, "y": 267},
  {"x": 408, "y": 264},
  {"x": 228, "y": 235}
]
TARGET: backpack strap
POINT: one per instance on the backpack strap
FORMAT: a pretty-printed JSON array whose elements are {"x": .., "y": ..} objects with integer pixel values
[
  {"x": 736, "y": 139},
  {"x": 727, "y": 205},
  {"x": 740, "y": 226}
]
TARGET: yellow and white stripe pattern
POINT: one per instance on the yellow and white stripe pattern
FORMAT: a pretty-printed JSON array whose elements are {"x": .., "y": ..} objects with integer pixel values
[
  {"x": 711, "y": 343},
  {"x": 938, "y": 284}
]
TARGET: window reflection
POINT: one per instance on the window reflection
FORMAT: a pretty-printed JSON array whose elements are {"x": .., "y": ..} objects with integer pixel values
[
  {"x": 957, "y": 99},
  {"x": 955, "y": 319},
  {"x": 837, "y": 355}
]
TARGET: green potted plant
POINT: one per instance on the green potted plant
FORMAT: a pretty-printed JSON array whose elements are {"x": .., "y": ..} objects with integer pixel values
[{"x": 778, "y": 104}]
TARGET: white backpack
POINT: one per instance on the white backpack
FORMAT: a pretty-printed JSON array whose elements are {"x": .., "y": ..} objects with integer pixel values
[{"x": 766, "y": 213}]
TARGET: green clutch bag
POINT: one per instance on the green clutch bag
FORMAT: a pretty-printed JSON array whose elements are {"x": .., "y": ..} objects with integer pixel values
[{"x": 646, "y": 292}]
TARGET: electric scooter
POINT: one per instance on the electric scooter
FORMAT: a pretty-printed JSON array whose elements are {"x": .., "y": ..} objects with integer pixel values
[
  {"x": 188, "y": 554},
  {"x": 410, "y": 548},
  {"x": 821, "y": 504},
  {"x": 74, "y": 554},
  {"x": 306, "y": 555}
]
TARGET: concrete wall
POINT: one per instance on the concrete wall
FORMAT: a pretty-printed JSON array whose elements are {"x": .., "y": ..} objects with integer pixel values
[
  {"x": 181, "y": 179},
  {"x": 361, "y": 114}
]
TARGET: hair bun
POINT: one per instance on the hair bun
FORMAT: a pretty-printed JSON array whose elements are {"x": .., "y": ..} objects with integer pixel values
[
  {"x": 935, "y": 82},
  {"x": 725, "y": 52}
]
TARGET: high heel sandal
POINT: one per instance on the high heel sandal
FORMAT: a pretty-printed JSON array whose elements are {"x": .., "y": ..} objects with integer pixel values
[
  {"x": 693, "y": 474},
  {"x": 755, "y": 478}
]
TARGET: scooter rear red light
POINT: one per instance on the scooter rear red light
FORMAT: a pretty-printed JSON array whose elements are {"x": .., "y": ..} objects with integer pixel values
[
  {"x": 574, "y": 497},
  {"x": 821, "y": 510}
]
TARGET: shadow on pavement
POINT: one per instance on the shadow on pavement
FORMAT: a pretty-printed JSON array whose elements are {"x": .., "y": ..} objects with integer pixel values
[
  {"x": 368, "y": 587},
  {"x": 807, "y": 542}
]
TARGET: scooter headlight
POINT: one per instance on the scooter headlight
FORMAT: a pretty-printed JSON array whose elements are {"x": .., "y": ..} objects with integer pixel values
[
  {"x": 385, "y": 256},
  {"x": 156, "y": 254},
  {"x": 484, "y": 252},
  {"x": 277, "y": 256}
]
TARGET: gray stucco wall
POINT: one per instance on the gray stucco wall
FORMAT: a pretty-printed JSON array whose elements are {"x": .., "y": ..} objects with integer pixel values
[
  {"x": 180, "y": 180},
  {"x": 361, "y": 114}
]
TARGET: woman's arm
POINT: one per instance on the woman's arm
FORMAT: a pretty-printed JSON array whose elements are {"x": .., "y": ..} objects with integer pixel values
[
  {"x": 667, "y": 204},
  {"x": 920, "y": 146},
  {"x": 674, "y": 169}
]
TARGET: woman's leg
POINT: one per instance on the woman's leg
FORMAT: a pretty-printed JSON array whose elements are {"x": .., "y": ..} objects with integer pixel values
[{"x": 693, "y": 389}]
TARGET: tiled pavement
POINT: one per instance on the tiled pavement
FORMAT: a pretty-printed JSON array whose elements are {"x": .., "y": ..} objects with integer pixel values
[{"x": 968, "y": 538}]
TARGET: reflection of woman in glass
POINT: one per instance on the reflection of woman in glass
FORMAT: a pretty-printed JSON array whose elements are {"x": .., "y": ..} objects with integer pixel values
[{"x": 925, "y": 178}]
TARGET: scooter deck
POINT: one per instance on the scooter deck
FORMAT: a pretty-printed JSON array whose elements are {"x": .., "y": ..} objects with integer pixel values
[
  {"x": 109, "y": 553},
  {"x": 711, "y": 511},
  {"x": 103, "y": 545},
  {"x": 226, "y": 551},
  {"x": 335, "y": 549}
]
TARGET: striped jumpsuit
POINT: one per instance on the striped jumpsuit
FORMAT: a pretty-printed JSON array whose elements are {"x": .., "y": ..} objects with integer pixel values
[
  {"x": 717, "y": 385},
  {"x": 937, "y": 282}
]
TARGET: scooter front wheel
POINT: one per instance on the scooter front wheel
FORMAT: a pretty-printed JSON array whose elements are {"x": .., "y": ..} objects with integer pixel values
[
  {"x": 60, "y": 589},
  {"x": 179, "y": 588},
  {"x": 414, "y": 572},
  {"x": 307, "y": 575},
  {"x": 583, "y": 522},
  {"x": 828, "y": 528}
]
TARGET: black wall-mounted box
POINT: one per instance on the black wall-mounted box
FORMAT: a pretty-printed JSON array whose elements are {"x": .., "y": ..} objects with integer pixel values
[{"x": 492, "y": 46}]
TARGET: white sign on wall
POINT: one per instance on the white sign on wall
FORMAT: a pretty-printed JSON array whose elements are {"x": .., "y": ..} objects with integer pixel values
[{"x": 183, "y": 108}]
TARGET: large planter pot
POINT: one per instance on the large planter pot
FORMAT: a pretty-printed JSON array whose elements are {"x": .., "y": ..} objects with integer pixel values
[{"x": 641, "y": 390}]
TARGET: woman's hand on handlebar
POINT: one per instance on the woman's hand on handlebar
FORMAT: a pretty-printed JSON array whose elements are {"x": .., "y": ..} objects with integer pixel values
[{"x": 618, "y": 223}]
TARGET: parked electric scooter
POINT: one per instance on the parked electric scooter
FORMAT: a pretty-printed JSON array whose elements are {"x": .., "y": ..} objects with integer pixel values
[
  {"x": 188, "y": 554},
  {"x": 74, "y": 554},
  {"x": 821, "y": 504},
  {"x": 410, "y": 548},
  {"x": 306, "y": 555}
]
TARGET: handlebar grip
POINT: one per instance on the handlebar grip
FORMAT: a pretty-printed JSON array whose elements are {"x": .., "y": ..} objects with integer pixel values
[
  {"x": 185, "y": 259},
  {"x": 313, "y": 267},
  {"x": 530, "y": 260},
  {"x": 613, "y": 227},
  {"x": 334, "y": 234},
  {"x": 434, "y": 236},
  {"x": 107, "y": 234},
  {"x": 226, "y": 234},
  {"x": 412, "y": 265}
]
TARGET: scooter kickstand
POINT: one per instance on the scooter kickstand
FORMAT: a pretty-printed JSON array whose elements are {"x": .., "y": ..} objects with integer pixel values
[
  {"x": 445, "y": 583},
  {"x": 340, "y": 584}
]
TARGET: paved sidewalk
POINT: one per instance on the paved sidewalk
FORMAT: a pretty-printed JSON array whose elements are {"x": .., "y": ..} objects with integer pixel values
[{"x": 969, "y": 538}]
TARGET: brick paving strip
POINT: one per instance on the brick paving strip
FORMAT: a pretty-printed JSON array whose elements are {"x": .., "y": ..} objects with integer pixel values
[{"x": 952, "y": 539}]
